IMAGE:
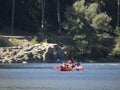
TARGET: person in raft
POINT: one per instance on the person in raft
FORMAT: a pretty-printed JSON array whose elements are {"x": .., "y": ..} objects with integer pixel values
[
  {"x": 70, "y": 64},
  {"x": 67, "y": 65}
]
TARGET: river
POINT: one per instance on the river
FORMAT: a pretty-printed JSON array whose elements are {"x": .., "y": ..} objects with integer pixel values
[{"x": 95, "y": 76}]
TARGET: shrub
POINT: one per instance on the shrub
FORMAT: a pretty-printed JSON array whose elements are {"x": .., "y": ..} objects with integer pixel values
[
  {"x": 14, "y": 42},
  {"x": 115, "y": 53},
  {"x": 33, "y": 41},
  {"x": 117, "y": 31}
]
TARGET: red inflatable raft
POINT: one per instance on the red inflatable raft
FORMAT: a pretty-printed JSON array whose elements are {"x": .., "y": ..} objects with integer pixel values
[{"x": 74, "y": 68}]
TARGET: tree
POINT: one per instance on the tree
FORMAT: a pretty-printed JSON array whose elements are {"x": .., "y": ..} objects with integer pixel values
[
  {"x": 43, "y": 14},
  {"x": 83, "y": 22}
]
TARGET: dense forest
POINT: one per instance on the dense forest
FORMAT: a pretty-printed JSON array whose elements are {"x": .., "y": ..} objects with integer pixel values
[{"x": 91, "y": 28}]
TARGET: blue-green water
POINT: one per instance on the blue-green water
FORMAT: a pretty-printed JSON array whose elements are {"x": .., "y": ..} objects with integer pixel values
[{"x": 95, "y": 76}]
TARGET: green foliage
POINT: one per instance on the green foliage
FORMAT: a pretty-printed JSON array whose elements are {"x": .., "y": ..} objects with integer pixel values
[
  {"x": 44, "y": 35},
  {"x": 15, "y": 42},
  {"x": 34, "y": 41},
  {"x": 117, "y": 31},
  {"x": 115, "y": 53},
  {"x": 74, "y": 16},
  {"x": 101, "y": 22},
  {"x": 84, "y": 22},
  {"x": 81, "y": 43},
  {"x": 91, "y": 11},
  {"x": 79, "y": 7},
  {"x": 117, "y": 40},
  {"x": 116, "y": 50}
]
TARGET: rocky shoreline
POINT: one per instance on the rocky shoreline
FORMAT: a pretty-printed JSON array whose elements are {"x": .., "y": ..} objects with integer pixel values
[{"x": 46, "y": 52}]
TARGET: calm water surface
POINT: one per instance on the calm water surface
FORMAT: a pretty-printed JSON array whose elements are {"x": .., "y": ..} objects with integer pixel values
[{"x": 95, "y": 76}]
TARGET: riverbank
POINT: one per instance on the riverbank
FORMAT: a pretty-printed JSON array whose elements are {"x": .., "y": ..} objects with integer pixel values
[{"x": 20, "y": 49}]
